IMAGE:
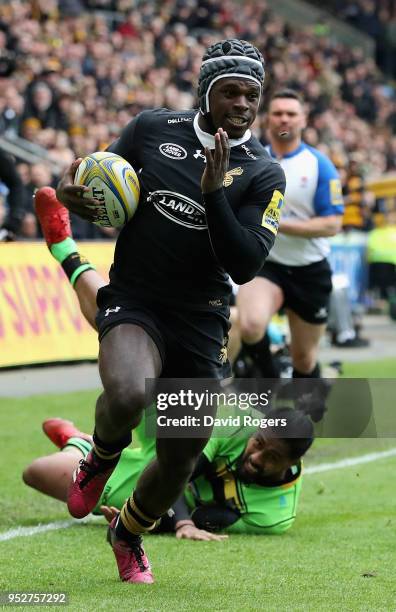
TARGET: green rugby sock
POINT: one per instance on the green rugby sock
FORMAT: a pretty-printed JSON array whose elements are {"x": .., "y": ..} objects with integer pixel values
[
  {"x": 71, "y": 261},
  {"x": 63, "y": 249}
]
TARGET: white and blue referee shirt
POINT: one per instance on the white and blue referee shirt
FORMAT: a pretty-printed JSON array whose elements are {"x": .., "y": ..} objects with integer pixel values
[{"x": 313, "y": 189}]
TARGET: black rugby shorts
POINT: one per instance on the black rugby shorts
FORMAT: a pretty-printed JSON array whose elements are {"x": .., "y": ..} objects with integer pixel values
[
  {"x": 306, "y": 289},
  {"x": 191, "y": 344}
]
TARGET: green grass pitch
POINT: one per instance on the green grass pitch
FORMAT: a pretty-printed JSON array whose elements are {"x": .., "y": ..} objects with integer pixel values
[{"x": 339, "y": 555}]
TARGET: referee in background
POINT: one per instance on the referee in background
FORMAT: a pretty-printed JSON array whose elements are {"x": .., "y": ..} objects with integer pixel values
[{"x": 296, "y": 275}]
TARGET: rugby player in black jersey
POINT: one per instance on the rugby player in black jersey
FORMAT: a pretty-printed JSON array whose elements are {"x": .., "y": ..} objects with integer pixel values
[{"x": 209, "y": 207}]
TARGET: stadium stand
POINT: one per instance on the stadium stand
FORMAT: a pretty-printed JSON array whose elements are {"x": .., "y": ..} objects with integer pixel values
[
  {"x": 72, "y": 75},
  {"x": 73, "y": 72},
  {"x": 376, "y": 19}
]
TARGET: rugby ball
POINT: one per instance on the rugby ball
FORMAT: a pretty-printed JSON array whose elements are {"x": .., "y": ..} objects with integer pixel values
[{"x": 113, "y": 183}]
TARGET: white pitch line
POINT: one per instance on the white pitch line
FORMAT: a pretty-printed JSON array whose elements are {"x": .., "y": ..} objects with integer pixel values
[
  {"x": 343, "y": 463},
  {"x": 19, "y": 532}
]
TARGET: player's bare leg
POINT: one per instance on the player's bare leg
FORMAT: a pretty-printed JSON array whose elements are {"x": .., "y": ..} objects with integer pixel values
[
  {"x": 304, "y": 345},
  {"x": 55, "y": 224},
  {"x": 51, "y": 475},
  {"x": 234, "y": 336},
  {"x": 164, "y": 479},
  {"x": 308, "y": 386},
  {"x": 257, "y": 302},
  {"x": 86, "y": 287},
  {"x": 92, "y": 474},
  {"x": 159, "y": 486},
  {"x": 127, "y": 356}
]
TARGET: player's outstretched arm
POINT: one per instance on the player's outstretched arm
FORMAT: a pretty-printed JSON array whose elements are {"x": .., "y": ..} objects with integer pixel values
[
  {"x": 186, "y": 530},
  {"x": 191, "y": 532}
]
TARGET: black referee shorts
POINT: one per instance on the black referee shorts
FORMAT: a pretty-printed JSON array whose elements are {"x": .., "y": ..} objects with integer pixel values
[
  {"x": 191, "y": 344},
  {"x": 306, "y": 289}
]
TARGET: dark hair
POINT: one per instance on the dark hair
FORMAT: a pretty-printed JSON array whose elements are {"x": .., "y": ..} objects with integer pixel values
[
  {"x": 286, "y": 93},
  {"x": 298, "y": 433}
]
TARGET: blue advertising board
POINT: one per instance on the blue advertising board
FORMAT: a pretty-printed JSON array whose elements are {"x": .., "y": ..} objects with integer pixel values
[{"x": 348, "y": 256}]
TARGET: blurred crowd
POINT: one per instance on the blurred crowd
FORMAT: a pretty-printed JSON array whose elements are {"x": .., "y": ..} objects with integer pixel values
[
  {"x": 377, "y": 19},
  {"x": 73, "y": 73}
]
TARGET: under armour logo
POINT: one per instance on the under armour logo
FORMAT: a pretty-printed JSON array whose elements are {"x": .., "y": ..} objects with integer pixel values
[
  {"x": 109, "y": 310},
  {"x": 321, "y": 313},
  {"x": 199, "y": 154}
]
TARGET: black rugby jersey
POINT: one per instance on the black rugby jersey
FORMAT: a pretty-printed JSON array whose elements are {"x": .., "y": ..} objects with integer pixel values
[{"x": 179, "y": 247}]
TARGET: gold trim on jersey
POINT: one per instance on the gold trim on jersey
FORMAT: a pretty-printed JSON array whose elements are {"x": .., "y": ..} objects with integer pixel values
[
  {"x": 230, "y": 487},
  {"x": 229, "y": 176}
]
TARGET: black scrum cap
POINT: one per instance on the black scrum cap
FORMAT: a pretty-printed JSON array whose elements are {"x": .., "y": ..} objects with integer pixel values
[{"x": 228, "y": 58}]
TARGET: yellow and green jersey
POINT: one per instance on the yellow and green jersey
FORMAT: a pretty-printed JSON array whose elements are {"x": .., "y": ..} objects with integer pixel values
[{"x": 261, "y": 509}]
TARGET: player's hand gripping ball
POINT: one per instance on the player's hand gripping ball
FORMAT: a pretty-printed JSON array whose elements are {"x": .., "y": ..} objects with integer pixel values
[{"x": 113, "y": 183}]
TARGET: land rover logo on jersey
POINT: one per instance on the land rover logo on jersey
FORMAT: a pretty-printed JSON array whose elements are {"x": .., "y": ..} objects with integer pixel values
[
  {"x": 173, "y": 151},
  {"x": 229, "y": 176},
  {"x": 180, "y": 209}
]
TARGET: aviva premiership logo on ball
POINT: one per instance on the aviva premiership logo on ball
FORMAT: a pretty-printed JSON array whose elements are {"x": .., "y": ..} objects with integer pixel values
[
  {"x": 179, "y": 208},
  {"x": 114, "y": 185}
]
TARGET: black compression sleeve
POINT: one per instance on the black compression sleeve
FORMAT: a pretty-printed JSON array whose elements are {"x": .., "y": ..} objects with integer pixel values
[
  {"x": 180, "y": 509},
  {"x": 240, "y": 250},
  {"x": 201, "y": 466},
  {"x": 214, "y": 518}
]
